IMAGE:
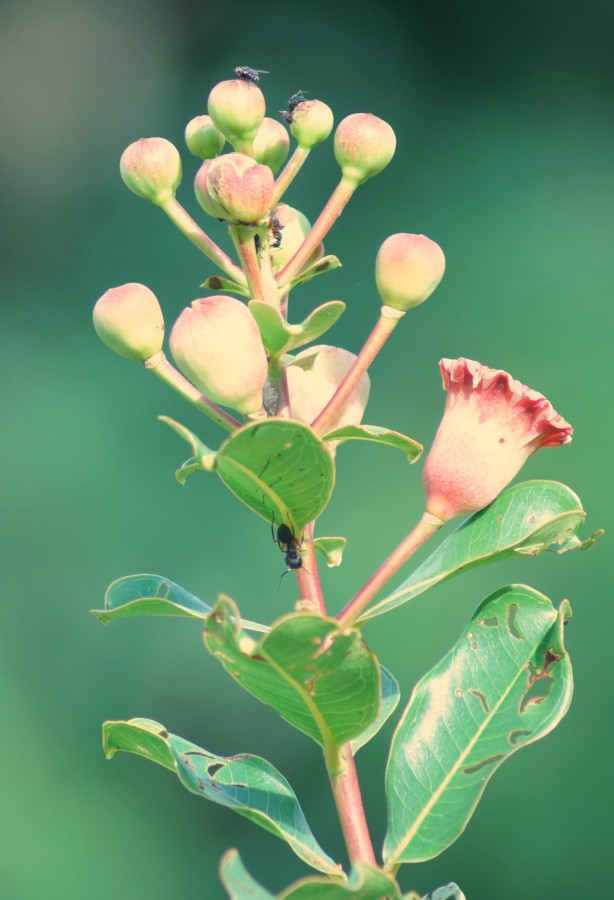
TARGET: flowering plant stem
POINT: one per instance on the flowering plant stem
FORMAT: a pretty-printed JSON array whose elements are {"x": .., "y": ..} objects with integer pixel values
[
  {"x": 289, "y": 172},
  {"x": 160, "y": 366},
  {"x": 385, "y": 325},
  {"x": 426, "y": 528},
  {"x": 187, "y": 226}
]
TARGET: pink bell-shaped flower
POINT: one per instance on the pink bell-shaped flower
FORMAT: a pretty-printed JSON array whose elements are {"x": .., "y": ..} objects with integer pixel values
[{"x": 491, "y": 425}]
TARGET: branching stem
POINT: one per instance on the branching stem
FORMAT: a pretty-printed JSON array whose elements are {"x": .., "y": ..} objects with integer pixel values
[{"x": 289, "y": 173}]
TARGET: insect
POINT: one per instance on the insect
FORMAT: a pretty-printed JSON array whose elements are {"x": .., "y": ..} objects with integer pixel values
[
  {"x": 288, "y": 544},
  {"x": 294, "y": 101},
  {"x": 244, "y": 73},
  {"x": 275, "y": 229}
]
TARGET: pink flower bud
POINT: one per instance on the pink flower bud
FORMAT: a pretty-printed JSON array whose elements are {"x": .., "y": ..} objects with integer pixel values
[
  {"x": 151, "y": 168},
  {"x": 271, "y": 144},
  {"x": 239, "y": 189},
  {"x": 364, "y": 145},
  {"x": 491, "y": 425},
  {"x": 217, "y": 345},
  {"x": 129, "y": 321},
  {"x": 312, "y": 122},
  {"x": 408, "y": 268},
  {"x": 312, "y": 383},
  {"x": 202, "y": 192},
  {"x": 293, "y": 227},
  {"x": 202, "y": 137},
  {"x": 237, "y": 108}
]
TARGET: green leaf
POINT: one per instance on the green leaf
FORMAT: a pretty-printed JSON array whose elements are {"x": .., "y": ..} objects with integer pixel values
[
  {"x": 527, "y": 518},
  {"x": 448, "y": 892},
  {"x": 225, "y": 285},
  {"x": 325, "y": 264},
  {"x": 238, "y": 882},
  {"x": 202, "y": 459},
  {"x": 279, "y": 336},
  {"x": 390, "y": 699},
  {"x": 380, "y": 436},
  {"x": 154, "y": 595},
  {"x": 364, "y": 883},
  {"x": 506, "y": 683},
  {"x": 248, "y": 784},
  {"x": 319, "y": 677},
  {"x": 280, "y": 468},
  {"x": 317, "y": 323},
  {"x": 331, "y": 548}
]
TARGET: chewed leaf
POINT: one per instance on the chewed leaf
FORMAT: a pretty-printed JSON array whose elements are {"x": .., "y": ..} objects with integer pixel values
[
  {"x": 280, "y": 468},
  {"x": 331, "y": 548},
  {"x": 247, "y": 784},
  {"x": 390, "y": 699},
  {"x": 378, "y": 435},
  {"x": 526, "y": 518},
  {"x": 506, "y": 683},
  {"x": 238, "y": 882},
  {"x": 321, "y": 678},
  {"x": 154, "y": 595},
  {"x": 225, "y": 285}
]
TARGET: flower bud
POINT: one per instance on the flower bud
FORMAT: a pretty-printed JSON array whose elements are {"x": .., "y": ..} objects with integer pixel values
[
  {"x": 312, "y": 122},
  {"x": 408, "y": 268},
  {"x": 364, "y": 145},
  {"x": 237, "y": 108},
  {"x": 202, "y": 193},
  {"x": 292, "y": 229},
  {"x": 203, "y": 138},
  {"x": 128, "y": 319},
  {"x": 491, "y": 425},
  {"x": 151, "y": 168},
  {"x": 271, "y": 144},
  {"x": 239, "y": 189},
  {"x": 311, "y": 386},
  {"x": 217, "y": 345}
]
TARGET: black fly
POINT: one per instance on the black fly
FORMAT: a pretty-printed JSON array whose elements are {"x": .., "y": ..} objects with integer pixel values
[
  {"x": 294, "y": 102},
  {"x": 244, "y": 73},
  {"x": 288, "y": 544},
  {"x": 275, "y": 229}
]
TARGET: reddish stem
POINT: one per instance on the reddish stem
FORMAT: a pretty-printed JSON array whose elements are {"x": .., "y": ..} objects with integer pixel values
[
  {"x": 348, "y": 799},
  {"x": 289, "y": 172}
]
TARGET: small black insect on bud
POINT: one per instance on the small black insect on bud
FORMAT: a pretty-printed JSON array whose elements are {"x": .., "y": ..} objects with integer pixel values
[
  {"x": 294, "y": 102},
  {"x": 244, "y": 73}
]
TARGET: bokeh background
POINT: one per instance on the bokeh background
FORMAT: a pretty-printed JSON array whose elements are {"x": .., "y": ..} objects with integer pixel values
[{"x": 503, "y": 115}]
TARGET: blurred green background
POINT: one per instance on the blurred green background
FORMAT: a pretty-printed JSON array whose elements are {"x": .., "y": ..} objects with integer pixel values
[{"x": 505, "y": 157}]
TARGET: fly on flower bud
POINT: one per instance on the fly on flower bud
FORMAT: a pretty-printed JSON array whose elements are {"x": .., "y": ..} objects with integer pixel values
[
  {"x": 239, "y": 189},
  {"x": 128, "y": 319},
  {"x": 408, "y": 268},
  {"x": 237, "y": 108},
  {"x": 293, "y": 228},
  {"x": 491, "y": 425},
  {"x": 314, "y": 376},
  {"x": 364, "y": 145},
  {"x": 151, "y": 168},
  {"x": 271, "y": 144},
  {"x": 217, "y": 345},
  {"x": 311, "y": 123},
  {"x": 202, "y": 137}
]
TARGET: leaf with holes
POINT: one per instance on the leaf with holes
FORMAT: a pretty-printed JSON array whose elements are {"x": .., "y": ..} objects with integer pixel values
[
  {"x": 321, "y": 678},
  {"x": 154, "y": 595},
  {"x": 506, "y": 683},
  {"x": 377, "y": 435},
  {"x": 533, "y": 516},
  {"x": 248, "y": 784},
  {"x": 390, "y": 698}
]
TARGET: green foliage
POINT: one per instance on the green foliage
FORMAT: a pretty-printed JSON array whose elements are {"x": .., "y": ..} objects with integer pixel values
[
  {"x": 378, "y": 435},
  {"x": 527, "y": 519},
  {"x": 247, "y": 784},
  {"x": 278, "y": 336},
  {"x": 331, "y": 548},
  {"x": 325, "y": 264},
  {"x": 322, "y": 679},
  {"x": 506, "y": 683}
]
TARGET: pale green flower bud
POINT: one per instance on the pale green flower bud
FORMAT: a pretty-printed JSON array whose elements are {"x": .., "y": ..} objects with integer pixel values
[
  {"x": 312, "y": 385},
  {"x": 202, "y": 193},
  {"x": 364, "y": 145},
  {"x": 271, "y": 144},
  {"x": 151, "y": 168},
  {"x": 312, "y": 122},
  {"x": 292, "y": 228},
  {"x": 237, "y": 108},
  {"x": 217, "y": 345},
  {"x": 128, "y": 319},
  {"x": 408, "y": 268},
  {"x": 203, "y": 138},
  {"x": 239, "y": 189}
]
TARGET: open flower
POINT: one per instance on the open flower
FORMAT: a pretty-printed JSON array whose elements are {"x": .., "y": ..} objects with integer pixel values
[{"x": 491, "y": 425}]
